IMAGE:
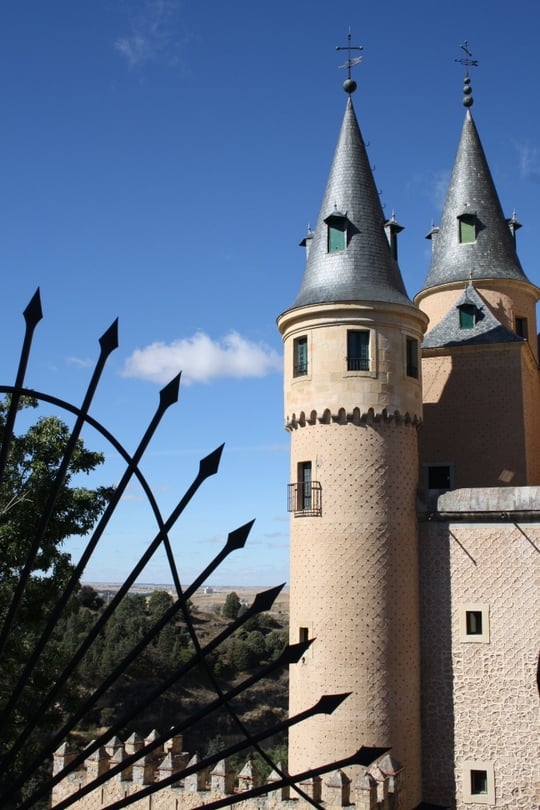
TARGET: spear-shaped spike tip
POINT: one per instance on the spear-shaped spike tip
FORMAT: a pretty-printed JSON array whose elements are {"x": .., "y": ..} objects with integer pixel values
[
  {"x": 33, "y": 312},
  {"x": 265, "y": 599},
  {"x": 109, "y": 339},
  {"x": 169, "y": 395},
  {"x": 209, "y": 465},
  {"x": 294, "y": 652},
  {"x": 329, "y": 703},
  {"x": 237, "y": 538},
  {"x": 366, "y": 756}
]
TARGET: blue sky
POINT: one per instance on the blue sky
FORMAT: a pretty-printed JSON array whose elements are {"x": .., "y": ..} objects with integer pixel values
[{"x": 160, "y": 162}]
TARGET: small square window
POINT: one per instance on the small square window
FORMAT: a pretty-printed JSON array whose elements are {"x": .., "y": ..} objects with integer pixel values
[
  {"x": 439, "y": 476},
  {"x": 473, "y": 619},
  {"x": 474, "y": 623},
  {"x": 303, "y": 634},
  {"x": 478, "y": 782}
]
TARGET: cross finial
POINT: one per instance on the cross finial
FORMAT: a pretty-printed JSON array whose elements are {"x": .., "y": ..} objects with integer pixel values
[
  {"x": 349, "y": 85},
  {"x": 468, "y": 61}
]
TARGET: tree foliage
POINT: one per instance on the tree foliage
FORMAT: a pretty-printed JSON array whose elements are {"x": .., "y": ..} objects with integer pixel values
[
  {"x": 232, "y": 605},
  {"x": 33, "y": 461}
]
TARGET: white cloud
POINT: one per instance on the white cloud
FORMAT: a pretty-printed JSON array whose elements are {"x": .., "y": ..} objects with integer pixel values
[
  {"x": 529, "y": 162},
  {"x": 82, "y": 362},
  {"x": 440, "y": 187},
  {"x": 201, "y": 359},
  {"x": 154, "y": 34}
]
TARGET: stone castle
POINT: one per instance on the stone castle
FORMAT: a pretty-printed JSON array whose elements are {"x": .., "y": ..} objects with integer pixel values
[{"x": 415, "y": 510}]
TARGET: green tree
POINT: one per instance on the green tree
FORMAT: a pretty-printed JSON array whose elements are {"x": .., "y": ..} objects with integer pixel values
[
  {"x": 33, "y": 461},
  {"x": 232, "y": 605}
]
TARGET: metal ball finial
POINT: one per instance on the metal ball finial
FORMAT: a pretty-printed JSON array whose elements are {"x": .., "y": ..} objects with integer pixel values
[
  {"x": 349, "y": 85},
  {"x": 468, "y": 62}
]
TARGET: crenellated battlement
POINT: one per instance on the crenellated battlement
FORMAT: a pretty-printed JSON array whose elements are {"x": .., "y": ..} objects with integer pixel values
[
  {"x": 377, "y": 788},
  {"x": 355, "y": 417}
]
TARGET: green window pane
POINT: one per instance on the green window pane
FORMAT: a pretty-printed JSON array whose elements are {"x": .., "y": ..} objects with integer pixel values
[
  {"x": 336, "y": 237},
  {"x": 467, "y": 316},
  {"x": 467, "y": 230}
]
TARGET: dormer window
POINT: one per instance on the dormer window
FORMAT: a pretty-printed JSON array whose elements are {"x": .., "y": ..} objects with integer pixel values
[
  {"x": 468, "y": 314},
  {"x": 337, "y": 231},
  {"x": 467, "y": 228}
]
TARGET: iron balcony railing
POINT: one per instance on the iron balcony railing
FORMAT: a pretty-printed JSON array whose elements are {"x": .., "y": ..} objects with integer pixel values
[
  {"x": 357, "y": 363},
  {"x": 304, "y": 498}
]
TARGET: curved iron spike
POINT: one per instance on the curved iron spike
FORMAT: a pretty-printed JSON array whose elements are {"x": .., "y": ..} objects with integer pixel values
[
  {"x": 221, "y": 700},
  {"x": 329, "y": 703},
  {"x": 173, "y": 677},
  {"x": 79, "y": 569},
  {"x": 366, "y": 755},
  {"x": 264, "y": 600},
  {"x": 32, "y": 316},
  {"x": 210, "y": 464},
  {"x": 187, "y": 771},
  {"x": 237, "y": 538},
  {"x": 33, "y": 312},
  {"x": 169, "y": 394},
  {"x": 106, "y": 345},
  {"x": 109, "y": 339},
  {"x": 294, "y": 652}
]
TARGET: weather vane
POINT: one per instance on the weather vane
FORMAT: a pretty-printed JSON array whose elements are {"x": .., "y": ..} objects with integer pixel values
[
  {"x": 468, "y": 61},
  {"x": 349, "y": 85}
]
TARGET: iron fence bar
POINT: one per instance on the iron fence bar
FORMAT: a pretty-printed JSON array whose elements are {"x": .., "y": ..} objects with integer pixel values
[
  {"x": 233, "y": 715},
  {"x": 108, "y": 343},
  {"x": 238, "y": 721},
  {"x": 262, "y": 602},
  {"x": 289, "y": 656},
  {"x": 32, "y": 316},
  {"x": 236, "y": 540},
  {"x": 326, "y": 705},
  {"x": 208, "y": 466},
  {"x": 60, "y": 403},
  {"x": 168, "y": 396}
]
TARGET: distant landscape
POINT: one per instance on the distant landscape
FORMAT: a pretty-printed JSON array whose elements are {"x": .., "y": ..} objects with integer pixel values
[{"x": 206, "y": 599}]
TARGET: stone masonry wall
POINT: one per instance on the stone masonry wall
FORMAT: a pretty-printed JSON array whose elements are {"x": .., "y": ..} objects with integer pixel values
[
  {"x": 479, "y": 693},
  {"x": 376, "y": 788}
]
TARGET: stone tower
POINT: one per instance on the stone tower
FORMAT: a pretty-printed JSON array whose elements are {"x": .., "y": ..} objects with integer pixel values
[
  {"x": 479, "y": 502},
  {"x": 352, "y": 405},
  {"x": 480, "y": 355}
]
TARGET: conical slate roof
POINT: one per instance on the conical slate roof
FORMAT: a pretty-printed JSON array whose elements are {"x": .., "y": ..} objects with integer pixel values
[
  {"x": 472, "y": 192},
  {"x": 365, "y": 270}
]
